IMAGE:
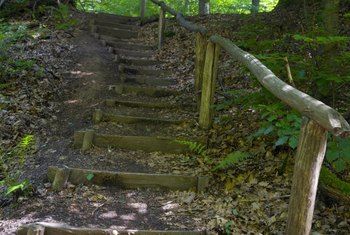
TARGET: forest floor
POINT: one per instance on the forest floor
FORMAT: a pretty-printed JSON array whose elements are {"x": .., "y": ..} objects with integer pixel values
[{"x": 248, "y": 197}]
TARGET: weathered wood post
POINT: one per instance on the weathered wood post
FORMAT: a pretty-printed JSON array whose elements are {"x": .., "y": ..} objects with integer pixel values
[
  {"x": 161, "y": 28},
  {"x": 36, "y": 229},
  {"x": 142, "y": 9},
  {"x": 201, "y": 46},
  {"x": 308, "y": 163},
  {"x": 208, "y": 86}
]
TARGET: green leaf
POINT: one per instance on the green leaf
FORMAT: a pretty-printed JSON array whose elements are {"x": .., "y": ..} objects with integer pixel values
[
  {"x": 281, "y": 141},
  {"x": 293, "y": 142},
  {"x": 90, "y": 176}
]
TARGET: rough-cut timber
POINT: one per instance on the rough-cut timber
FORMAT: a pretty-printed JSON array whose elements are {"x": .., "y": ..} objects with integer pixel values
[
  {"x": 324, "y": 115},
  {"x": 116, "y": 33},
  {"x": 62, "y": 229},
  {"x": 145, "y": 71},
  {"x": 148, "y": 80},
  {"x": 60, "y": 179},
  {"x": 309, "y": 158},
  {"x": 145, "y": 143},
  {"x": 131, "y": 53},
  {"x": 200, "y": 49},
  {"x": 153, "y": 105},
  {"x": 143, "y": 91},
  {"x": 208, "y": 86},
  {"x": 100, "y": 116},
  {"x": 137, "y": 61},
  {"x": 116, "y": 18},
  {"x": 116, "y": 25},
  {"x": 128, "y": 45},
  {"x": 133, "y": 180}
]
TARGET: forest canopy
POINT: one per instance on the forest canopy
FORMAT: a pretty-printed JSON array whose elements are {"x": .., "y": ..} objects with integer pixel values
[{"x": 188, "y": 7}]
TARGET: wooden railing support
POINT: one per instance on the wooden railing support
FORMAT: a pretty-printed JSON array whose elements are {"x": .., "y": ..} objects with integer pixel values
[
  {"x": 308, "y": 163},
  {"x": 143, "y": 9},
  {"x": 208, "y": 85},
  {"x": 161, "y": 28},
  {"x": 200, "y": 49}
]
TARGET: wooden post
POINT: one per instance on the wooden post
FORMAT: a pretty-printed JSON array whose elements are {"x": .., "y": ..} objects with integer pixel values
[
  {"x": 308, "y": 163},
  {"x": 208, "y": 86},
  {"x": 61, "y": 179},
  {"x": 143, "y": 9},
  {"x": 201, "y": 46},
  {"x": 88, "y": 140},
  {"x": 161, "y": 28}
]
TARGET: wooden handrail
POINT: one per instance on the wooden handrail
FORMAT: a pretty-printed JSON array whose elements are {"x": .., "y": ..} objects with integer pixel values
[
  {"x": 310, "y": 107},
  {"x": 181, "y": 19},
  {"x": 319, "y": 119},
  {"x": 321, "y": 113}
]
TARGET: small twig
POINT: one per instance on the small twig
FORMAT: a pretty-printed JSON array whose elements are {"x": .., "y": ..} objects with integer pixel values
[{"x": 289, "y": 73}]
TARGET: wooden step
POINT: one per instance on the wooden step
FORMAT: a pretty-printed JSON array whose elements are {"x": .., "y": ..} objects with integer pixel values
[
  {"x": 62, "y": 229},
  {"x": 105, "y": 17},
  {"x": 147, "y": 80},
  {"x": 152, "y": 105},
  {"x": 132, "y": 53},
  {"x": 86, "y": 139},
  {"x": 143, "y": 91},
  {"x": 137, "y": 61},
  {"x": 116, "y": 33},
  {"x": 109, "y": 24},
  {"x": 129, "y": 46},
  {"x": 100, "y": 116},
  {"x": 126, "y": 180},
  {"x": 144, "y": 71}
]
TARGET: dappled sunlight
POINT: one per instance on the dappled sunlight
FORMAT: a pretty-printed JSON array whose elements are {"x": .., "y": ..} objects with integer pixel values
[
  {"x": 141, "y": 207},
  {"x": 72, "y": 101},
  {"x": 81, "y": 73},
  {"x": 109, "y": 215}
]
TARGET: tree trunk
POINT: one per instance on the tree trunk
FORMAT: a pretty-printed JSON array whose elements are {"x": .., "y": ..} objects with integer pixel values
[
  {"x": 255, "y": 6},
  {"x": 204, "y": 7}
]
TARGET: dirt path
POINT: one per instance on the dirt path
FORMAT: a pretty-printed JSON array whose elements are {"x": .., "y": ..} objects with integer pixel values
[{"x": 91, "y": 206}]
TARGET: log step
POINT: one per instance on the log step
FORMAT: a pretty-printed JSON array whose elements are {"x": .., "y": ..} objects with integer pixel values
[
  {"x": 116, "y": 33},
  {"x": 129, "y": 46},
  {"x": 145, "y": 71},
  {"x": 145, "y": 91},
  {"x": 62, "y": 229},
  {"x": 153, "y": 105},
  {"x": 105, "y": 17},
  {"x": 126, "y": 180},
  {"x": 98, "y": 22},
  {"x": 147, "y": 80},
  {"x": 132, "y": 53},
  {"x": 137, "y": 61},
  {"x": 87, "y": 139},
  {"x": 100, "y": 116}
]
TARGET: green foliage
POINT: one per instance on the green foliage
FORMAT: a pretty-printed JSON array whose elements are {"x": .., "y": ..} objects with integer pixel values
[
  {"x": 132, "y": 8},
  {"x": 338, "y": 154},
  {"x": 90, "y": 176},
  {"x": 230, "y": 160},
  {"x": 282, "y": 124},
  {"x": 331, "y": 180},
  {"x": 12, "y": 163},
  {"x": 195, "y": 147},
  {"x": 63, "y": 19}
]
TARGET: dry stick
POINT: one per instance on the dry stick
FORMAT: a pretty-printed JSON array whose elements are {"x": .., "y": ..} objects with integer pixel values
[{"x": 289, "y": 73}]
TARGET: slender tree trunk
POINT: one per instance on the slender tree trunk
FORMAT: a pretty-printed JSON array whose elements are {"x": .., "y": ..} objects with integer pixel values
[
  {"x": 204, "y": 7},
  {"x": 255, "y": 6}
]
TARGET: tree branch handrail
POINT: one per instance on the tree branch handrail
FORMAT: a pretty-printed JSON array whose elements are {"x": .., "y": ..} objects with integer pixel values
[{"x": 316, "y": 110}]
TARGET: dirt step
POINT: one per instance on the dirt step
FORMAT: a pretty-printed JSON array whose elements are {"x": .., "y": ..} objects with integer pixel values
[
  {"x": 89, "y": 138},
  {"x": 144, "y": 71},
  {"x": 116, "y": 33},
  {"x": 105, "y": 17},
  {"x": 152, "y": 105},
  {"x": 137, "y": 61},
  {"x": 127, "y": 180},
  {"x": 143, "y": 91},
  {"x": 130, "y": 46},
  {"x": 147, "y": 80},
  {"x": 99, "y": 22},
  {"x": 100, "y": 116},
  {"x": 62, "y": 229},
  {"x": 132, "y": 53}
]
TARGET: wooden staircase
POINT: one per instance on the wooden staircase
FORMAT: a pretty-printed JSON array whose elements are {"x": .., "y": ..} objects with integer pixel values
[{"x": 141, "y": 114}]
